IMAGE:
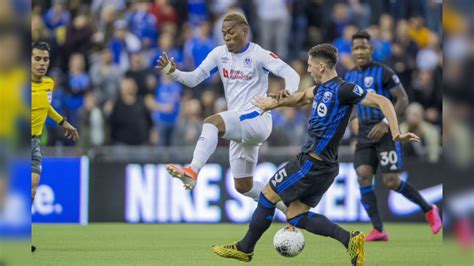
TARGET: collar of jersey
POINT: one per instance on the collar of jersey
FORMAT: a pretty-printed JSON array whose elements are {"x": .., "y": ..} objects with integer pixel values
[
  {"x": 329, "y": 81},
  {"x": 365, "y": 67},
  {"x": 245, "y": 49}
]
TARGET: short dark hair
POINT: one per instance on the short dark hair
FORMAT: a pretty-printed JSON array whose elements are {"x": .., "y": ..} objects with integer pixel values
[
  {"x": 325, "y": 51},
  {"x": 41, "y": 46},
  {"x": 361, "y": 35}
]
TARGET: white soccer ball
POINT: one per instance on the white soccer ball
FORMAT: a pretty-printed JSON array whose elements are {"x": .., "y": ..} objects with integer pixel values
[{"x": 289, "y": 241}]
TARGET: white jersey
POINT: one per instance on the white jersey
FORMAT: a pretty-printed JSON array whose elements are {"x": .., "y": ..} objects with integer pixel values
[{"x": 244, "y": 75}]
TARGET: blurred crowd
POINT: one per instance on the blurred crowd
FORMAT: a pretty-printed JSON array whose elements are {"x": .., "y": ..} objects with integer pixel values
[{"x": 104, "y": 53}]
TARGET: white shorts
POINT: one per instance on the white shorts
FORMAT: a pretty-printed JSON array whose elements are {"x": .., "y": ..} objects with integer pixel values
[{"x": 246, "y": 132}]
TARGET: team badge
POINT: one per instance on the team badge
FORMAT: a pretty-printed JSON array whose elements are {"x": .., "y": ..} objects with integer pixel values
[
  {"x": 327, "y": 96},
  {"x": 225, "y": 60},
  {"x": 248, "y": 62},
  {"x": 50, "y": 96},
  {"x": 368, "y": 81},
  {"x": 358, "y": 90}
]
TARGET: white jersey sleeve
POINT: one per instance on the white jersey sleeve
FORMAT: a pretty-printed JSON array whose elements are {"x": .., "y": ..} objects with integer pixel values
[
  {"x": 273, "y": 64},
  {"x": 202, "y": 72}
]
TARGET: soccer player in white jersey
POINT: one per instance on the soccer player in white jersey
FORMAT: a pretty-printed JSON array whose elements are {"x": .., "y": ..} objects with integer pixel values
[{"x": 243, "y": 67}]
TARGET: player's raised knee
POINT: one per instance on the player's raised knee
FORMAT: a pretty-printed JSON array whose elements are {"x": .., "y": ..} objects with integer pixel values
[{"x": 217, "y": 121}]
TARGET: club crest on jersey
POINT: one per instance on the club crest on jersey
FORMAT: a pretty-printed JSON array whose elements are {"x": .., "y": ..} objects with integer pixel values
[
  {"x": 322, "y": 110},
  {"x": 225, "y": 60},
  {"x": 327, "y": 96},
  {"x": 248, "y": 62},
  {"x": 358, "y": 90},
  {"x": 50, "y": 96},
  {"x": 368, "y": 81}
]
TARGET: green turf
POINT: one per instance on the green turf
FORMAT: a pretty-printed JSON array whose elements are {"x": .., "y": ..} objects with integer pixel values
[{"x": 189, "y": 244}]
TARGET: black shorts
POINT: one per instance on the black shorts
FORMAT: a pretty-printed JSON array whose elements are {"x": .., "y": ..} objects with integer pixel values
[
  {"x": 384, "y": 154},
  {"x": 304, "y": 178}
]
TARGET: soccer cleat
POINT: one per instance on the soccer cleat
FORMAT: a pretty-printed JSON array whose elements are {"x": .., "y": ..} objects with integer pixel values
[
  {"x": 376, "y": 235},
  {"x": 186, "y": 175},
  {"x": 356, "y": 248},
  {"x": 434, "y": 219},
  {"x": 231, "y": 251}
]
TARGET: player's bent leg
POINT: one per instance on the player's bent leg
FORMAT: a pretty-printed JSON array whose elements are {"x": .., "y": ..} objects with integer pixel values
[
  {"x": 299, "y": 216},
  {"x": 369, "y": 201},
  {"x": 393, "y": 181},
  {"x": 261, "y": 221},
  {"x": 212, "y": 128}
]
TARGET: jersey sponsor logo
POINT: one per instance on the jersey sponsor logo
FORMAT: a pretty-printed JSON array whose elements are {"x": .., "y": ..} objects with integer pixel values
[
  {"x": 358, "y": 90},
  {"x": 236, "y": 74},
  {"x": 322, "y": 109},
  {"x": 395, "y": 79},
  {"x": 248, "y": 62},
  {"x": 327, "y": 96},
  {"x": 368, "y": 81},
  {"x": 274, "y": 55}
]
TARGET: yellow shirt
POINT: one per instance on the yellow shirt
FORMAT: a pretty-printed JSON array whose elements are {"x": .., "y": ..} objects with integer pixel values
[
  {"x": 12, "y": 101},
  {"x": 41, "y": 96}
]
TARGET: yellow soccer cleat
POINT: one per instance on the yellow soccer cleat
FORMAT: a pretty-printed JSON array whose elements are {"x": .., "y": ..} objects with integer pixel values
[
  {"x": 356, "y": 248},
  {"x": 231, "y": 251}
]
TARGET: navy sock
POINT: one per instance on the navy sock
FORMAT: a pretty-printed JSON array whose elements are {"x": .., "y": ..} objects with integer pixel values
[
  {"x": 261, "y": 219},
  {"x": 320, "y": 225},
  {"x": 369, "y": 201},
  {"x": 407, "y": 190}
]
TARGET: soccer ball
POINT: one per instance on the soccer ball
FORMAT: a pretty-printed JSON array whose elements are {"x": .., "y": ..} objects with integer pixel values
[{"x": 289, "y": 241}]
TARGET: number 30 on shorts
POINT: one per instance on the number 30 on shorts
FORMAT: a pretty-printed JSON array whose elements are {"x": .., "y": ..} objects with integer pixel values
[{"x": 388, "y": 157}]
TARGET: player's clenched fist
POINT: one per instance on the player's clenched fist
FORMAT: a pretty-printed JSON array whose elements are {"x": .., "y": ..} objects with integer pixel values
[{"x": 166, "y": 65}]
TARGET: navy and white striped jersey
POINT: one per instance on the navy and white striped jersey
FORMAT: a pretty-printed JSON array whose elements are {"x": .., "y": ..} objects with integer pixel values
[
  {"x": 378, "y": 78},
  {"x": 332, "y": 106}
]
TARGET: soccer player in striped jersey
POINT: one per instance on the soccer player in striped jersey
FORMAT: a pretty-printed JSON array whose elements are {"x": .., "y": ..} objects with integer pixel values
[
  {"x": 41, "y": 95},
  {"x": 375, "y": 148},
  {"x": 302, "y": 182}
]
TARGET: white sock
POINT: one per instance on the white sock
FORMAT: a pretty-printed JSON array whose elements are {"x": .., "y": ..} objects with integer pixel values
[
  {"x": 254, "y": 193},
  {"x": 205, "y": 146}
]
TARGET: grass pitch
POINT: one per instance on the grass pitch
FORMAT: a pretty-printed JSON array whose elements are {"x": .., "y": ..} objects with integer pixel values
[{"x": 190, "y": 244}]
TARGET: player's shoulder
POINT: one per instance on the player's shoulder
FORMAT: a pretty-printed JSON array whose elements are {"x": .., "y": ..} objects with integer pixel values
[
  {"x": 48, "y": 82},
  {"x": 221, "y": 49},
  {"x": 384, "y": 67},
  {"x": 261, "y": 52}
]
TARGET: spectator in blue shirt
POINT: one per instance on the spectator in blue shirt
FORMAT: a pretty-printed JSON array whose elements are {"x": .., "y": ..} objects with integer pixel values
[
  {"x": 142, "y": 23},
  {"x": 168, "y": 97},
  {"x": 166, "y": 44},
  {"x": 57, "y": 16},
  {"x": 197, "y": 48}
]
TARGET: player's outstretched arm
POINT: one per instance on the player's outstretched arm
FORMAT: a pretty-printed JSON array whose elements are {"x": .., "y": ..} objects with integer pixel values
[
  {"x": 70, "y": 131},
  {"x": 295, "y": 100},
  {"x": 384, "y": 104},
  {"x": 191, "y": 79}
]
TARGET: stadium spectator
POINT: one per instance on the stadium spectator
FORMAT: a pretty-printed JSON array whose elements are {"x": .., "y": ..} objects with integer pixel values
[
  {"x": 130, "y": 121},
  {"x": 57, "y": 18},
  {"x": 382, "y": 47},
  {"x": 418, "y": 32},
  {"x": 122, "y": 43},
  {"x": 76, "y": 85},
  {"x": 92, "y": 128},
  {"x": 166, "y": 44},
  {"x": 275, "y": 22},
  {"x": 168, "y": 96},
  {"x": 306, "y": 80},
  {"x": 142, "y": 23},
  {"x": 164, "y": 13},
  {"x": 198, "y": 46},
  {"x": 143, "y": 76},
  {"x": 189, "y": 125},
  {"x": 105, "y": 77},
  {"x": 79, "y": 36},
  {"x": 429, "y": 148},
  {"x": 427, "y": 91},
  {"x": 343, "y": 45},
  {"x": 98, "y": 6}
]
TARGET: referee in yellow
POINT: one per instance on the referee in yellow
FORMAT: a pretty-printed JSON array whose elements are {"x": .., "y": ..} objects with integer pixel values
[{"x": 41, "y": 95}]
